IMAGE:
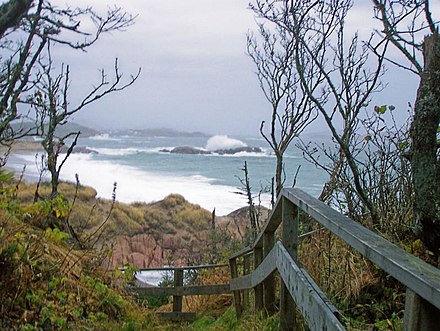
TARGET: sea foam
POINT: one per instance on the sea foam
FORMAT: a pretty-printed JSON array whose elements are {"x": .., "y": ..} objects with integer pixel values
[
  {"x": 117, "y": 151},
  {"x": 223, "y": 142},
  {"x": 134, "y": 184},
  {"x": 104, "y": 136}
]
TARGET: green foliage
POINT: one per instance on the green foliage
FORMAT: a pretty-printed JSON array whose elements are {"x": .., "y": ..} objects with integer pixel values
[
  {"x": 5, "y": 177},
  {"x": 156, "y": 301},
  {"x": 60, "y": 207},
  {"x": 382, "y": 305},
  {"x": 229, "y": 321},
  {"x": 56, "y": 236},
  {"x": 46, "y": 285},
  {"x": 129, "y": 272},
  {"x": 221, "y": 244},
  {"x": 382, "y": 109}
]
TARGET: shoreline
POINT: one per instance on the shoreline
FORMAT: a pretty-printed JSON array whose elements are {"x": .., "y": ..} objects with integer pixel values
[
  {"x": 133, "y": 185},
  {"x": 23, "y": 146}
]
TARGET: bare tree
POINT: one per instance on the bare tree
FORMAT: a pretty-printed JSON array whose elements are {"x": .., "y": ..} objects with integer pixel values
[
  {"x": 25, "y": 29},
  {"x": 254, "y": 210},
  {"x": 53, "y": 110},
  {"x": 335, "y": 72},
  {"x": 292, "y": 109}
]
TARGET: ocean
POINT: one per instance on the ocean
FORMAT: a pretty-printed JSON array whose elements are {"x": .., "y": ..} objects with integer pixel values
[{"x": 144, "y": 172}]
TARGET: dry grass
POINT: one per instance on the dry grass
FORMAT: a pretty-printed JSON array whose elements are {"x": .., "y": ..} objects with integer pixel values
[
  {"x": 335, "y": 267},
  {"x": 362, "y": 292},
  {"x": 169, "y": 216},
  {"x": 215, "y": 305}
]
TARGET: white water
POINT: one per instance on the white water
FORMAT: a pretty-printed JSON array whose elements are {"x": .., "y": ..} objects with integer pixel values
[{"x": 143, "y": 173}]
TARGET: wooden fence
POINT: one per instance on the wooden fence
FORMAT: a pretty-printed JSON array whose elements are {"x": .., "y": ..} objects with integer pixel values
[
  {"x": 299, "y": 291},
  {"x": 179, "y": 290}
]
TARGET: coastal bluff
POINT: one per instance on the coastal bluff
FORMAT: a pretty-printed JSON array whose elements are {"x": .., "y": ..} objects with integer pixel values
[
  {"x": 177, "y": 244},
  {"x": 171, "y": 231}
]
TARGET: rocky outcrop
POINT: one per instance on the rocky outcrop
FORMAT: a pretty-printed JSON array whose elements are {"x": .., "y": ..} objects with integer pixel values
[
  {"x": 141, "y": 251},
  {"x": 145, "y": 251},
  {"x": 174, "y": 232},
  {"x": 232, "y": 151},
  {"x": 82, "y": 150},
  {"x": 194, "y": 150},
  {"x": 188, "y": 150}
]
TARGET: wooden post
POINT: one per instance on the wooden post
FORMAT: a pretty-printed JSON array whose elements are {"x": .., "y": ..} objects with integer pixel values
[
  {"x": 246, "y": 271},
  {"x": 237, "y": 298},
  {"x": 258, "y": 290},
  {"x": 290, "y": 222},
  {"x": 178, "y": 281},
  {"x": 269, "y": 282},
  {"x": 419, "y": 314}
]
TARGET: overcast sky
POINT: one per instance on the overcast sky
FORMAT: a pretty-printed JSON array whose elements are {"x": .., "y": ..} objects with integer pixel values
[{"x": 196, "y": 75}]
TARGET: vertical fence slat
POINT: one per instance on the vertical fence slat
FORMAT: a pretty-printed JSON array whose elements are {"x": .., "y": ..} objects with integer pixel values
[
  {"x": 246, "y": 271},
  {"x": 290, "y": 221},
  {"x": 422, "y": 306},
  {"x": 269, "y": 283},
  {"x": 419, "y": 313},
  {"x": 258, "y": 290},
  {"x": 237, "y": 298},
  {"x": 178, "y": 281}
]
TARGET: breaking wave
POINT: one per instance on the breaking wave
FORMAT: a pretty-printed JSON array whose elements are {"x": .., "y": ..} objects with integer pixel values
[{"x": 223, "y": 142}]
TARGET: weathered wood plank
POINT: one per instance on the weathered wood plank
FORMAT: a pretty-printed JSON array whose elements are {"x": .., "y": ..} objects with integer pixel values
[
  {"x": 182, "y": 290},
  {"x": 194, "y": 267},
  {"x": 315, "y": 310},
  {"x": 321, "y": 294},
  {"x": 241, "y": 252},
  {"x": 178, "y": 282},
  {"x": 269, "y": 282},
  {"x": 411, "y": 271},
  {"x": 241, "y": 283},
  {"x": 246, "y": 271},
  {"x": 177, "y": 316},
  {"x": 257, "y": 277},
  {"x": 258, "y": 289},
  {"x": 271, "y": 224},
  {"x": 237, "y": 295},
  {"x": 419, "y": 314},
  {"x": 290, "y": 221}
]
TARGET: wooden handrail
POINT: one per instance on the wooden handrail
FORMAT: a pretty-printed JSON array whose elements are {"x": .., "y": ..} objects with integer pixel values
[
  {"x": 178, "y": 290},
  {"x": 320, "y": 314},
  {"x": 242, "y": 252},
  {"x": 408, "y": 269},
  {"x": 419, "y": 277},
  {"x": 183, "y": 290},
  {"x": 191, "y": 267}
]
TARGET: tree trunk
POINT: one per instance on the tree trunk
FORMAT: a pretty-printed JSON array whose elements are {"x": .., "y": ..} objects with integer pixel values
[
  {"x": 279, "y": 174},
  {"x": 11, "y": 13},
  {"x": 423, "y": 135},
  {"x": 54, "y": 183}
]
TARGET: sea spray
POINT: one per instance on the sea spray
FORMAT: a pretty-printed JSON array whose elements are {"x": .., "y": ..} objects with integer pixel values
[
  {"x": 223, "y": 142},
  {"x": 145, "y": 174}
]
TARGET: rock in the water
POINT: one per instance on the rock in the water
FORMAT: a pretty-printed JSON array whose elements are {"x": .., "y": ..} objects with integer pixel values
[
  {"x": 194, "y": 150},
  {"x": 82, "y": 150},
  {"x": 232, "y": 151},
  {"x": 188, "y": 150}
]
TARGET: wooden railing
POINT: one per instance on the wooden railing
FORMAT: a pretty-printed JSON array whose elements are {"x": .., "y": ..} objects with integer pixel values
[
  {"x": 179, "y": 290},
  {"x": 299, "y": 291}
]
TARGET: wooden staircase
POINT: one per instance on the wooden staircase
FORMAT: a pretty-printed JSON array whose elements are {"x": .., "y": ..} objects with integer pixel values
[{"x": 254, "y": 268}]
